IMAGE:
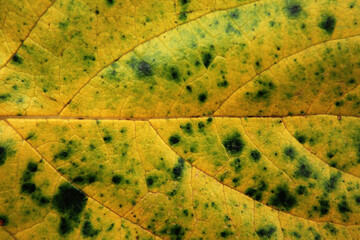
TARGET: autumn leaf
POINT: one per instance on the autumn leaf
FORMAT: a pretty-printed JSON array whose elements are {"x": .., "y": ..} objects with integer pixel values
[{"x": 184, "y": 119}]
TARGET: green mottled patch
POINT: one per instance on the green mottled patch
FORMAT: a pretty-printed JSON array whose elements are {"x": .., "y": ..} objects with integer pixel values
[{"x": 233, "y": 143}]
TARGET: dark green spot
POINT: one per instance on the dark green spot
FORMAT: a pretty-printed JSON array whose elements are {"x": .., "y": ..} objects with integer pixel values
[
  {"x": 17, "y": 59},
  {"x": 343, "y": 206},
  {"x": 28, "y": 188},
  {"x": 117, "y": 179},
  {"x": 178, "y": 169},
  {"x": 233, "y": 143},
  {"x": 174, "y": 139},
  {"x": 290, "y": 152},
  {"x": 332, "y": 183},
  {"x": 4, "y": 220},
  {"x": 328, "y": 23},
  {"x": 207, "y": 58},
  {"x": 330, "y": 228},
  {"x": 266, "y": 232},
  {"x": 4, "y": 97},
  {"x": 144, "y": 69},
  {"x": 64, "y": 154},
  {"x": 88, "y": 230},
  {"x": 187, "y": 128},
  {"x": 301, "y": 190},
  {"x": 69, "y": 200},
  {"x": 226, "y": 233},
  {"x": 301, "y": 138},
  {"x": 303, "y": 170},
  {"x": 174, "y": 74},
  {"x": 107, "y": 139},
  {"x": 65, "y": 226},
  {"x": 110, "y": 2},
  {"x": 293, "y": 10},
  {"x": 32, "y": 167},
  {"x": 255, "y": 155},
  {"x": 3, "y": 155},
  {"x": 150, "y": 181},
  {"x": 236, "y": 164},
  {"x": 282, "y": 198},
  {"x": 202, "y": 97}
]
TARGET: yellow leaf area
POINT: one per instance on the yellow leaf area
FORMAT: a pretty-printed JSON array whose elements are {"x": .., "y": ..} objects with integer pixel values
[{"x": 181, "y": 119}]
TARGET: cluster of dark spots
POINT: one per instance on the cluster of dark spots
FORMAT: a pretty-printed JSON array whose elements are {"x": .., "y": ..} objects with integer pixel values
[
  {"x": 89, "y": 58},
  {"x": 255, "y": 155},
  {"x": 107, "y": 139},
  {"x": 343, "y": 206},
  {"x": 88, "y": 229},
  {"x": 330, "y": 228},
  {"x": 328, "y": 23},
  {"x": 282, "y": 198},
  {"x": 202, "y": 97},
  {"x": 323, "y": 207},
  {"x": 293, "y": 10},
  {"x": 110, "y": 2},
  {"x": 178, "y": 169},
  {"x": 17, "y": 59},
  {"x": 207, "y": 58},
  {"x": 226, "y": 233},
  {"x": 223, "y": 84},
  {"x": 266, "y": 232},
  {"x": 117, "y": 179},
  {"x": 331, "y": 184},
  {"x": 85, "y": 179},
  {"x": 174, "y": 139},
  {"x": 144, "y": 69},
  {"x": 110, "y": 227},
  {"x": 176, "y": 232},
  {"x": 301, "y": 190},
  {"x": 29, "y": 188},
  {"x": 236, "y": 164},
  {"x": 70, "y": 202},
  {"x": 4, "y": 220},
  {"x": 264, "y": 93},
  {"x": 201, "y": 125},
  {"x": 66, "y": 152},
  {"x": 303, "y": 170},
  {"x": 290, "y": 152},
  {"x": 301, "y": 138},
  {"x": 257, "y": 192},
  {"x": 173, "y": 192},
  {"x": 187, "y": 128},
  {"x": 233, "y": 143},
  {"x": 296, "y": 235}
]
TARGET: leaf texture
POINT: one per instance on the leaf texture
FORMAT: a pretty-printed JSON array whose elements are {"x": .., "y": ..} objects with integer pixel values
[{"x": 185, "y": 119}]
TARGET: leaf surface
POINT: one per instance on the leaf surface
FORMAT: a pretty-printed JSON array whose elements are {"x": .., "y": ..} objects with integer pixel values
[{"x": 184, "y": 119}]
